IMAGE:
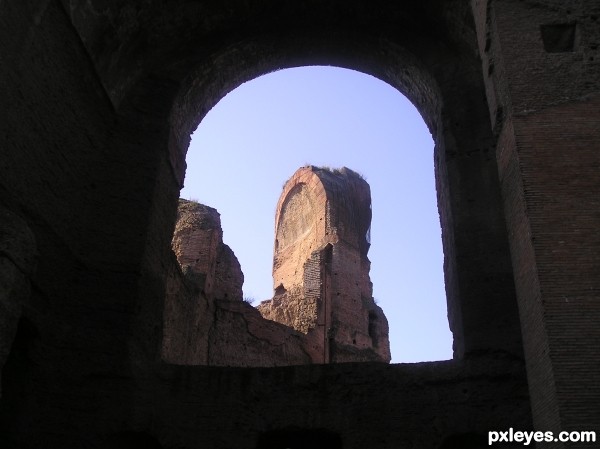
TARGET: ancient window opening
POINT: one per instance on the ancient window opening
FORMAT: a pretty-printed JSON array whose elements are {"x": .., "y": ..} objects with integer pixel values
[{"x": 280, "y": 243}]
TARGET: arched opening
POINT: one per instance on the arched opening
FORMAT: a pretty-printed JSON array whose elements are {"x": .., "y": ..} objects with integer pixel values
[
  {"x": 258, "y": 135},
  {"x": 446, "y": 89},
  {"x": 145, "y": 70}
]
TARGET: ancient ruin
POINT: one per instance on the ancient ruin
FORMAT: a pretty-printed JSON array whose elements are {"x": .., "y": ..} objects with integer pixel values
[
  {"x": 206, "y": 320},
  {"x": 99, "y": 99},
  {"x": 326, "y": 314},
  {"x": 320, "y": 265}
]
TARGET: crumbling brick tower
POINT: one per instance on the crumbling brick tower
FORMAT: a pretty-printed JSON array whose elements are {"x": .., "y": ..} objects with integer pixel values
[{"x": 321, "y": 269}]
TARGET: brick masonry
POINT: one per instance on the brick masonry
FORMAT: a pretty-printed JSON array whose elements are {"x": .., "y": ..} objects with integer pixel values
[
  {"x": 321, "y": 268},
  {"x": 98, "y": 102}
]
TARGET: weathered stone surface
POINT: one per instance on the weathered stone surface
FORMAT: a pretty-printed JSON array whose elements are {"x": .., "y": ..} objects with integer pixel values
[
  {"x": 291, "y": 308},
  {"x": 320, "y": 266},
  {"x": 99, "y": 99},
  {"x": 198, "y": 245},
  {"x": 206, "y": 321},
  {"x": 446, "y": 398},
  {"x": 242, "y": 337},
  {"x": 212, "y": 326}
]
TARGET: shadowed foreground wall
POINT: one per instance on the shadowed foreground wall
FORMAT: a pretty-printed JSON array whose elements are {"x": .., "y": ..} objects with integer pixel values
[{"x": 98, "y": 102}]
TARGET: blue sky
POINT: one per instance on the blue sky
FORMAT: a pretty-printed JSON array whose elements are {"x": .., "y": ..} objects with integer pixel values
[{"x": 256, "y": 137}]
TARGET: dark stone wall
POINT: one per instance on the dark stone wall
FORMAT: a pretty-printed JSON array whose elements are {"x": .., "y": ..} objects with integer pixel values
[
  {"x": 412, "y": 405},
  {"x": 17, "y": 263},
  {"x": 543, "y": 98},
  {"x": 70, "y": 357},
  {"x": 98, "y": 101}
]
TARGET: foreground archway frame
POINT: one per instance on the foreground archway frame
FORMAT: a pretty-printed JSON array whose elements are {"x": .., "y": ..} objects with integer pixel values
[
  {"x": 440, "y": 77},
  {"x": 436, "y": 67},
  {"x": 100, "y": 98}
]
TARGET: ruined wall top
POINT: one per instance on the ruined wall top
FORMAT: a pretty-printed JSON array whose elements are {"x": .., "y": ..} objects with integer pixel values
[
  {"x": 320, "y": 266},
  {"x": 198, "y": 246},
  {"x": 318, "y": 206}
]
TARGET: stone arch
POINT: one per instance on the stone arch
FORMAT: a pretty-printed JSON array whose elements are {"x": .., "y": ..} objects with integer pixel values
[
  {"x": 427, "y": 52},
  {"x": 91, "y": 174}
]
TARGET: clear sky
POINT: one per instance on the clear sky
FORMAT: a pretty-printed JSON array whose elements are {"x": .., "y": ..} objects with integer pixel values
[{"x": 256, "y": 137}]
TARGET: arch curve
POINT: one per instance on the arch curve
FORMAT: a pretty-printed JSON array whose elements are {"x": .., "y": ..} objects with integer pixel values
[{"x": 167, "y": 83}]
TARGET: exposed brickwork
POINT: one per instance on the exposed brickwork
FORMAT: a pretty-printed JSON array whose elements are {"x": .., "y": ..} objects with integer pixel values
[
  {"x": 313, "y": 275},
  {"x": 321, "y": 267},
  {"x": 205, "y": 321},
  {"x": 559, "y": 169},
  {"x": 548, "y": 164},
  {"x": 198, "y": 245},
  {"x": 98, "y": 103}
]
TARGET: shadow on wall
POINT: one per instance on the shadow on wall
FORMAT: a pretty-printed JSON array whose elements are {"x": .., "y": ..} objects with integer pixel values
[
  {"x": 132, "y": 440},
  {"x": 299, "y": 439},
  {"x": 465, "y": 441}
]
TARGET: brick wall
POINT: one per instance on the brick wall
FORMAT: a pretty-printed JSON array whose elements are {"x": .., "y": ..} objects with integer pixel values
[{"x": 548, "y": 163}]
